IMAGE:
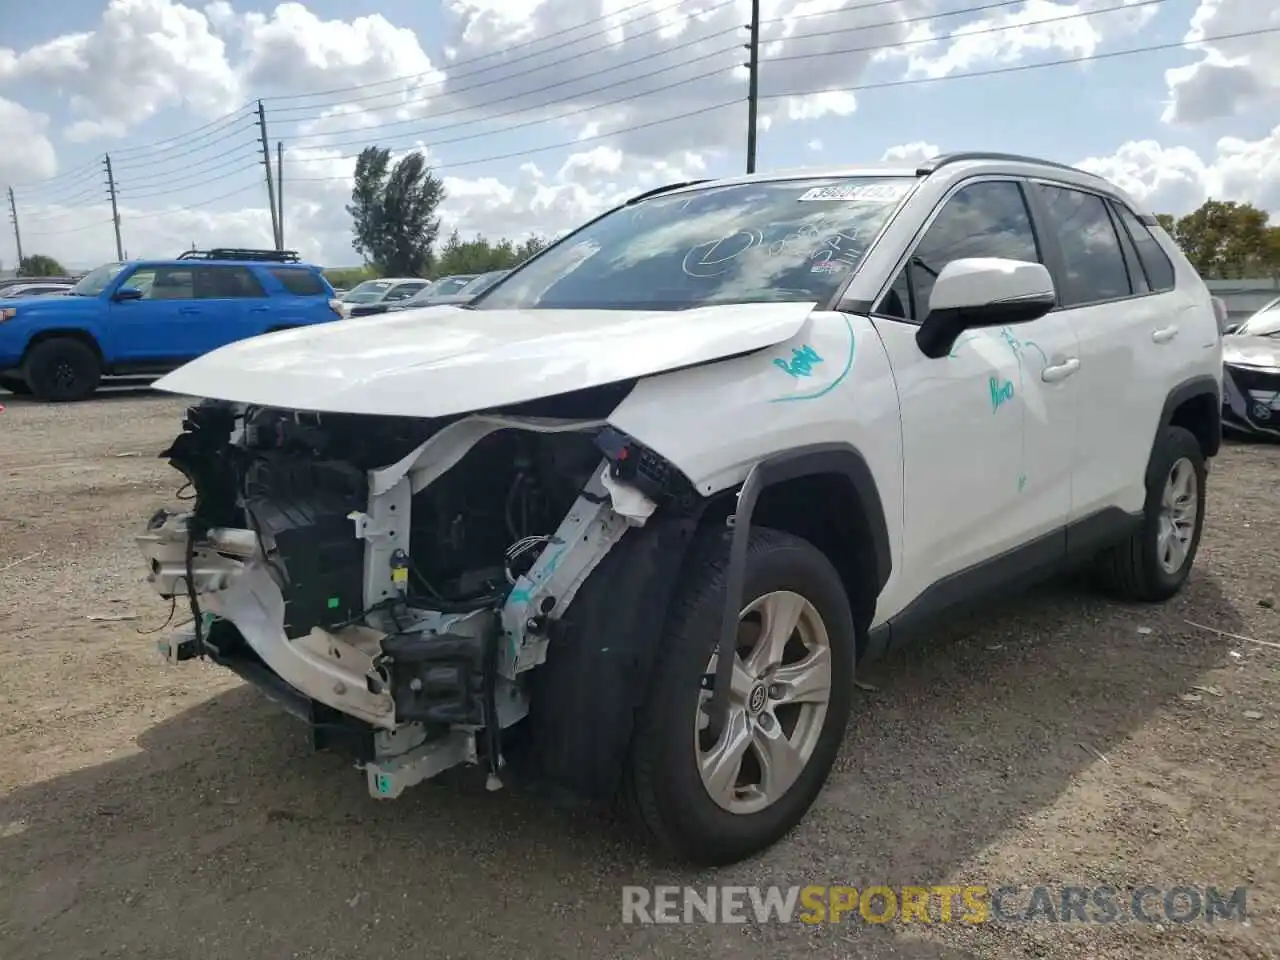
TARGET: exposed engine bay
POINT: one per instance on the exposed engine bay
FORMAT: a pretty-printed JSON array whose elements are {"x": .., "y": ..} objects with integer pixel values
[{"x": 392, "y": 580}]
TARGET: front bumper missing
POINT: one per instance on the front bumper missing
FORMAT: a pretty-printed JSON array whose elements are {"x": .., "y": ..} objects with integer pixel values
[{"x": 232, "y": 581}]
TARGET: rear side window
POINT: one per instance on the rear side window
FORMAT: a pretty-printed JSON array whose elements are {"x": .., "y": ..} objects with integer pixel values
[
  {"x": 1155, "y": 262},
  {"x": 226, "y": 283},
  {"x": 300, "y": 281},
  {"x": 1091, "y": 251}
]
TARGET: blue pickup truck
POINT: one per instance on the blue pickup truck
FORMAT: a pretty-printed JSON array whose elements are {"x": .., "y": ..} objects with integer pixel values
[{"x": 147, "y": 317}]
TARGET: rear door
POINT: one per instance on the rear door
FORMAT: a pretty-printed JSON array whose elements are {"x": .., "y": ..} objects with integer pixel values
[
  {"x": 1121, "y": 323},
  {"x": 231, "y": 305}
]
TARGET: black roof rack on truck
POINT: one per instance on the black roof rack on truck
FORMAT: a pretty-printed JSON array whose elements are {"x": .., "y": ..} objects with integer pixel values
[{"x": 237, "y": 253}]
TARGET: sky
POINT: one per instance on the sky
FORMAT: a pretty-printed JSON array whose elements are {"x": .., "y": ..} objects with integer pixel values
[{"x": 539, "y": 114}]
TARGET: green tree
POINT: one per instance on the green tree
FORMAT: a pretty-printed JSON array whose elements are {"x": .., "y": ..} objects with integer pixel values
[
  {"x": 38, "y": 265},
  {"x": 479, "y": 255},
  {"x": 1227, "y": 240},
  {"x": 393, "y": 212}
]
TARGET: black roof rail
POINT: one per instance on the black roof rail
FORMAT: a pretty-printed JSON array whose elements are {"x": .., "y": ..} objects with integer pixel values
[
  {"x": 238, "y": 253},
  {"x": 669, "y": 187},
  {"x": 934, "y": 164}
]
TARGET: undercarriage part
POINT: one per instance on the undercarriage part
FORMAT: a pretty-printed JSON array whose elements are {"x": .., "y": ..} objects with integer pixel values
[{"x": 398, "y": 609}]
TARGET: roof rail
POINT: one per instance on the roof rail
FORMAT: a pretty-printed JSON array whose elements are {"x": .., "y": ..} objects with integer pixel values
[
  {"x": 669, "y": 187},
  {"x": 933, "y": 164},
  {"x": 237, "y": 253}
]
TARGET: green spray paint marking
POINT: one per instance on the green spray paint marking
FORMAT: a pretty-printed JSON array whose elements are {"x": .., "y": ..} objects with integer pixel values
[
  {"x": 332, "y": 603},
  {"x": 1000, "y": 393},
  {"x": 382, "y": 783}
]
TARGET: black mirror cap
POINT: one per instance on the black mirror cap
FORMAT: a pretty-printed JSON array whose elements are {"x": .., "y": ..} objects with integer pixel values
[
  {"x": 941, "y": 328},
  {"x": 127, "y": 293}
]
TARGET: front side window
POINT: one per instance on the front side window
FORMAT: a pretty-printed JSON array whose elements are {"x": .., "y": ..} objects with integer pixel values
[
  {"x": 448, "y": 286},
  {"x": 985, "y": 219},
  {"x": 163, "y": 283},
  {"x": 1091, "y": 252},
  {"x": 404, "y": 291},
  {"x": 760, "y": 242},
  {"x": 94, "y": 282}
]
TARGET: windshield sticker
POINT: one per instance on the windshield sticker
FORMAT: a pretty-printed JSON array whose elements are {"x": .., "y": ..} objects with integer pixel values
[
  {"x": 864, "y": 192},
  {"x": 829, "y": 266}
]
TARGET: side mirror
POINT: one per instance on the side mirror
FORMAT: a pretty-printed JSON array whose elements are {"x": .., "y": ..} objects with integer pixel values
[
  {"x": 127, "y": 293},
  {"x": 983, "y": 292},
  {"x": 1232, "y": 327}
]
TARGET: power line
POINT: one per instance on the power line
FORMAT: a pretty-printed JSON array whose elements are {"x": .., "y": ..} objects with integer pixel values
[
  {"x": 520, "y": 46},
  {"x": 58, "y": 233},
  {"x": 1019, "y": 68},
  {"x": 370, "y": 133},
  {"x": 549, "y": 86},
  {"x": 201, "y": 169},
  {"x": 920, "y": 41},
  {"x": 181, "y": 139},
  {"x": 151, "y": 160},
  {"x": 529, "y": 151},
  {"x": 561, "y": 116},
  {"x": 186, "y": 185},
  {"x": 196, "y": 206}
]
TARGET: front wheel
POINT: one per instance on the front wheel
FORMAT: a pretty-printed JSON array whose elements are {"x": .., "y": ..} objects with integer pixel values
[
  {"x": 63, "y": 370},
  {"x": 714, "y": 803}
]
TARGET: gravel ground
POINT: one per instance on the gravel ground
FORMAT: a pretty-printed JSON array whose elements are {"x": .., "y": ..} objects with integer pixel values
[{"x": 153, "y": 811}]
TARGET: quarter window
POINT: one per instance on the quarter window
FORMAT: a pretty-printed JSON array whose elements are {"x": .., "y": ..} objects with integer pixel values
[
  {"x": 1093, "y": 261},
  {"x": 986, "y": 219},
  {"x": 1155, "y": 262}
]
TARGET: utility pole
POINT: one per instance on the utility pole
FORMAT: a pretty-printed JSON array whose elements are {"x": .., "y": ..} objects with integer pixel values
[
  {"x": 17, "y": 234},
  {"x": 753, "y": 88},
  {"x": 266, "y": 162},
  {"x": 280, "y": 191},
  {"x": 115, "y": 212}
]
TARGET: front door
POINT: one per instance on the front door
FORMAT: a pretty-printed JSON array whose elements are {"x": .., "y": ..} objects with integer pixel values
[{"x": 986, "y": 465}]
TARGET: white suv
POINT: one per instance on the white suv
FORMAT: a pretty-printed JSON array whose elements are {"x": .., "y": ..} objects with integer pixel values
[{"x": 629, "y": 519}]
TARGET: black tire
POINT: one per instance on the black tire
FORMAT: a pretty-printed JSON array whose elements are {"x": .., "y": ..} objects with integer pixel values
[
  {"x": 663, "y": 785},
  {"x": 63, "y": 370},
  {"x": 15, "y": 385},
  {"x": 1132, "y": 570}
]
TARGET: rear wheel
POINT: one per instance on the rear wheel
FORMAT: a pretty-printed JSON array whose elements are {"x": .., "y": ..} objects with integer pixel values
[
  {"x": 717, "y": 802},
  {"x": 1154, "y": 563},
  {"x": 63, "y": 370}
]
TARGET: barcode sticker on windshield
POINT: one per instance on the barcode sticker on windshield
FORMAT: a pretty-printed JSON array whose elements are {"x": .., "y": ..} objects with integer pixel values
[{"x": 865, "y": 192}]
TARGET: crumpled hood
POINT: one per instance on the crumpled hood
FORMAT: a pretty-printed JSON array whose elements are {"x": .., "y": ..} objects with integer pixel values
[
  {"x": 1251, "y": 351},
  {"x": 444, "y": 360}
]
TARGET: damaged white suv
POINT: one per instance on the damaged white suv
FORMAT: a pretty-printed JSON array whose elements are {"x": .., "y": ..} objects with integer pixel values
[{"x": 625, "y": 523}]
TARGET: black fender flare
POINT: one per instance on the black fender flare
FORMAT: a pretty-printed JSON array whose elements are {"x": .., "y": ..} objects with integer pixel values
[
  {"x": 1198, "y": 386},
  {"x": 839, "y": 458}
]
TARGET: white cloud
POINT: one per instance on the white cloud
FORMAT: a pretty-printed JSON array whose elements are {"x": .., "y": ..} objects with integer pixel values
[
  {"x": 141, "y": 57},
  {"x": 27, "y": 153},
  {"x": 1176, "y": 179},
  {"x": 910, "y": 152},
  {"x": 1232, "y": 76}
]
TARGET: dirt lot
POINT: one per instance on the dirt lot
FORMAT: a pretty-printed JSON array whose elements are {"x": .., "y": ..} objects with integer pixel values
[{"x": 150, "y": 811}]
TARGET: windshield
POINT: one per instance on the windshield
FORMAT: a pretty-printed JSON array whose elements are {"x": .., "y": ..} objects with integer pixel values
[
  {"x": 1264, "y": 323},
  {"x": 94, "y": 282},
  {"x": 482, "y": 283},
  {"x": 782, "y": 240},
  {"x": 448, "y": 286},
  {"x": 367, "y": 292}
]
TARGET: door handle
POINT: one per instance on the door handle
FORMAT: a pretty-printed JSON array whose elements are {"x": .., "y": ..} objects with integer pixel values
[
  {"x": 1060, "y": 371},
  {"x": 1165, "y": 334}
]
